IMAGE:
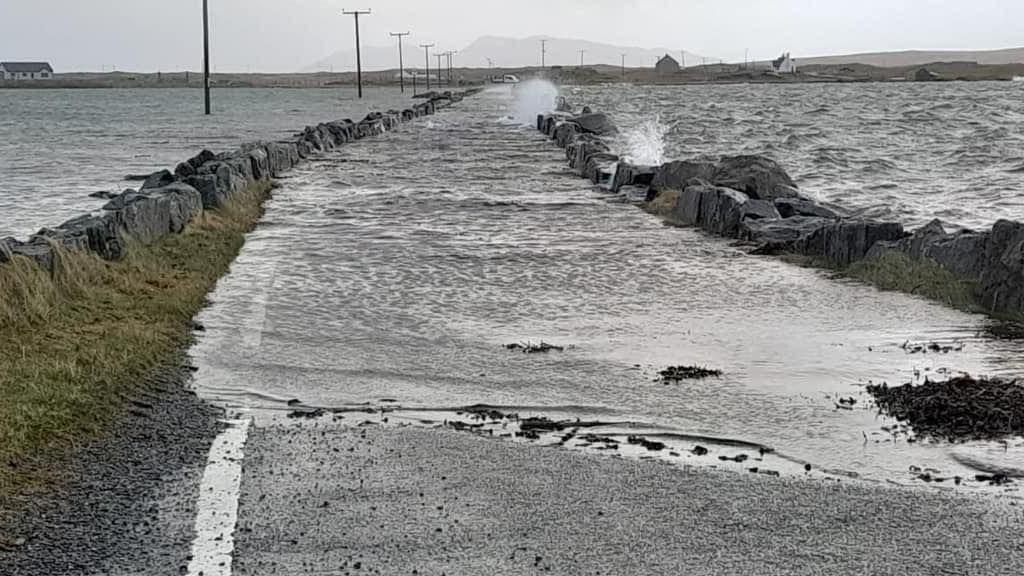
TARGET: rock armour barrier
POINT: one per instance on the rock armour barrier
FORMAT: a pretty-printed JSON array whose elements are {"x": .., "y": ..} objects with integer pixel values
[
  {"x": 167, "y": 202},
  {"x": 752, "y": 199}
]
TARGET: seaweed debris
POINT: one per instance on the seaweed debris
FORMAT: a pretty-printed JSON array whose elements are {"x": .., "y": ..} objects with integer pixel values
[
  {"x": 676, "y": 374},
  {"x": 531, "y": 348},
  {"x": 959, "y": 409}
]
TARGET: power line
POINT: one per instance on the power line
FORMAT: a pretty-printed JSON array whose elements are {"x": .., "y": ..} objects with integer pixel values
[
  {"x": 359, "y": 56},
  {"x": 401, "y": 62},
  {"x": 426, "y": 57}
]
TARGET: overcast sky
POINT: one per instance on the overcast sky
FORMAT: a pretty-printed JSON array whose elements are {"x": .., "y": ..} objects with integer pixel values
[{"x": 290, "y": 35}]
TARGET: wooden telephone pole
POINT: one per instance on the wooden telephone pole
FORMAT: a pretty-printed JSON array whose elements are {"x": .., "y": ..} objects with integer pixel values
[
  {"x": 206, "y": 55},
  {"x": 401, "y": 63},
  {"x": 426, "y": 57},
  {"x": 359, "y": 56}
]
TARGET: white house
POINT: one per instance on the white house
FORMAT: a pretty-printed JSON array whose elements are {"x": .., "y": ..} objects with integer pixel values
[
  {"x": 784, "y": 64},
  {"x": 25, "y": 71}
]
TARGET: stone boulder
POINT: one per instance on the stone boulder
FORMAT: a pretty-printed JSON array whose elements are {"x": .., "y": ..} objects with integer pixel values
[
  {"x": 190, "y": 166},
  {"x": 599, "y": 168},
  {"x": 844, "y": 242},
  {"x": 631, "y": 175},
  {"x": 149, "y": 215},
  {"x": 756, "y": 176},
  {"x": 595, "y": 123},
  {"x": 1002, "y": 281},
  {"x": 718, "y": 210},
  {"x": 777, "y": 235},
  {"x": 564, "y": 133},
  {"x": 158, "y": 180},
  {"x": 283, "y": 156},
  {"x": 39, "y": 250},
  {"x": 581, "y": 150},
  {"x": 963, "y": 253},
  {"x": 97, "y": 234},
  {"x": 789, "y": 207},
  {"x": 216, "y": 182},
  {"x": 676, "y": 175}
]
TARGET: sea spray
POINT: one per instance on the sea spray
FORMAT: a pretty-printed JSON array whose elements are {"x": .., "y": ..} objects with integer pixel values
[
  {"x": 533, "y": 97},
  {"x": 644, "y": 144}
]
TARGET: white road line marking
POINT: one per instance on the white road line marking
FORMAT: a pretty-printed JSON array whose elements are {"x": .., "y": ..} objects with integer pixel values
[{"x": 217, "y": 509}]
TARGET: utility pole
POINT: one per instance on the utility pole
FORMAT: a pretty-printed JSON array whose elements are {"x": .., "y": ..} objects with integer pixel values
[
  {"x": 543, "y": 53},
  {"x": 623, "y": 65},
  {"x": 359, "y": 56},
  {"x": 451, "y": 60},
  {"x": 206, "y": 55},
  {"x": 401, "y": 63},
  {"x": 439, "y": 56},
  {"x": 426, "y": 57},
  {"x": 683, "y": 61},
  {"x": 746, "y": 58},
  {"x": 582, "y": 52}
]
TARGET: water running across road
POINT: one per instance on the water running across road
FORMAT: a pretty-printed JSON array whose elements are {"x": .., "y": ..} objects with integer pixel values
[{"x": 394, "y": 270}]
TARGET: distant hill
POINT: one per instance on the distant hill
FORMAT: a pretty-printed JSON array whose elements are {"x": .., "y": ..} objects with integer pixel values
[
  {"x": 919, "y": 57},
  {"x": 507, "y": 53},
  {"x": 522, "y": 52}
]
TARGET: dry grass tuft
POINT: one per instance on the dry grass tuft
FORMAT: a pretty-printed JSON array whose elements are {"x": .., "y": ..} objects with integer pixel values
[{"x": 664, "y": 204}]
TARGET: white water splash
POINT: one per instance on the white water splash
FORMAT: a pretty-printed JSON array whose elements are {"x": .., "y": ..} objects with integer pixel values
[
  {"x": 645, "y": 143},
  {"x": 533, "y": 97}
]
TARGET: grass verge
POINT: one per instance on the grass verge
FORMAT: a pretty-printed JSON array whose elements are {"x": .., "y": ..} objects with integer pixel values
[{"x": 76, "y": 343}]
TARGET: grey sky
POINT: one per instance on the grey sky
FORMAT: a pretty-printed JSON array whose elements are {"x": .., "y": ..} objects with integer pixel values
[{"x": 282, "y": 35}]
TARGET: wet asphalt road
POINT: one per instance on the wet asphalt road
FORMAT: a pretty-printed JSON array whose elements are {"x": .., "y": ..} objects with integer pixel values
[{"x": 318, "y": 498}]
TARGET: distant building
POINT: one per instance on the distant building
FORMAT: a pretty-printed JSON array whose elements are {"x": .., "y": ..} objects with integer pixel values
[
  {"x": 25, "y": 71},
  {"x": 666, "y": 66},
  {"x": 925, "y": 75},
  {"x": 784, "y": 64}
]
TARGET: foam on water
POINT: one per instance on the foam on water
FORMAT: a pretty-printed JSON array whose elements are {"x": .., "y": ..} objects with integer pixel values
[
  {"x": 645, "y": 143},
  {"x": 533, "y": 97}
]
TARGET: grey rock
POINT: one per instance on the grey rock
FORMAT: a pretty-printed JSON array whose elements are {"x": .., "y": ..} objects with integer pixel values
[
  {"x": 1002, "y": 282},
  {"x": 98, "y": 234},
  {"x": 845, "y": 242},
  {"x": 149, "y": 215},
  {"x": 103, "y": 194},
  {"x": 963, "y": 253},
  {"x": 715, "y": 209},
  {"x": 756, "y": 176},
  {"x": 631, "y": 175},
  {"x": 595, "y": 123},
  {"x": 563, "y": 133},
  {"x": 283, "y": 156},
  {"x": 190, "y": 166},
  {"x": 760, "y": 210},
  {"x": 600, "y": 167},
  {"x": 775, "y": 235},
  {"x": 676, "y": 175},
  {"x": 789, "y": 207},
  {"x": 157, "y": 180},
  {"x": 581, "y": 151}
]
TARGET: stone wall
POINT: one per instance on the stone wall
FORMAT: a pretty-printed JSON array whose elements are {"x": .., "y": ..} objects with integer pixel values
[
  {"x": 753, "y": 200},
  {"x": 167, "y": 202}
]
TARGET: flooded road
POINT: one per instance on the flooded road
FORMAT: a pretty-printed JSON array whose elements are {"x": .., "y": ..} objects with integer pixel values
[{"x": 395, "y": 270}]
